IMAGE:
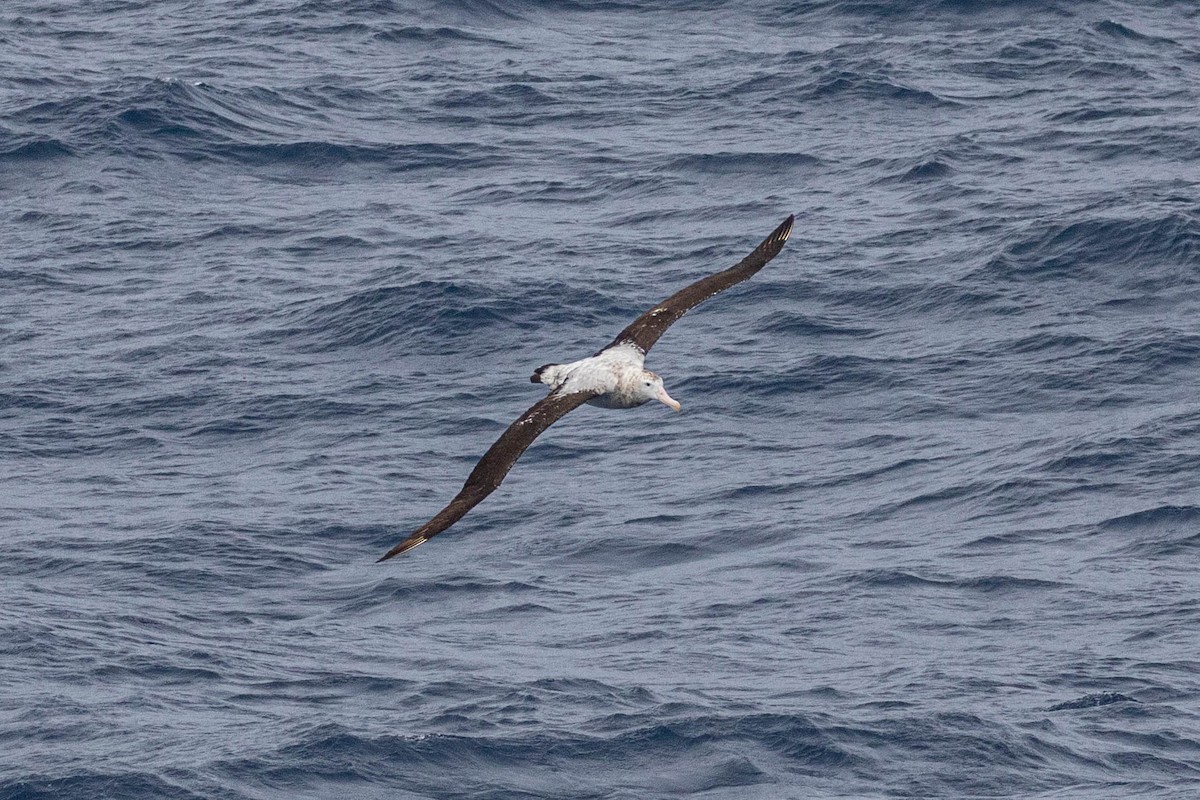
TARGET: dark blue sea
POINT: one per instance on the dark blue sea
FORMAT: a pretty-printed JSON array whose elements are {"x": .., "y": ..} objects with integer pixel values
[{"x": 274, "y": 274}]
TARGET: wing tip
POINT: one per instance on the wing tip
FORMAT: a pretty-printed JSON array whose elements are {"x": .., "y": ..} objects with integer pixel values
[
  {"x": 785, "y": 229},
  {"x": 406, "y": 545}
]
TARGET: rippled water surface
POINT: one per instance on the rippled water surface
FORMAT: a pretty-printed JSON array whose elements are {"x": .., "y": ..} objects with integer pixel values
[{"x": 274, "y": 275}]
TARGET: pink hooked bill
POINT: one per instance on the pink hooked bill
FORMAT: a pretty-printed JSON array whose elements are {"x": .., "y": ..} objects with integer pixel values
[{"x": 667, "y": 400}]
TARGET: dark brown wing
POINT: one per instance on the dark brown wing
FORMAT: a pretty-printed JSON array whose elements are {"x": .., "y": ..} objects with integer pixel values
[
  {"x": 644, "y": 331},
  {"x": 495, "y": 464}
]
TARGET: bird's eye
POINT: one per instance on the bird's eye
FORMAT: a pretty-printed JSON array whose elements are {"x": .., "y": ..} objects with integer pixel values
[{"x": 647, "y": 383}]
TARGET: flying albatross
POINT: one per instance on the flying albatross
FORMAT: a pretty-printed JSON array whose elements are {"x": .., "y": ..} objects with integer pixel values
[{"x": 612, "y": 378}]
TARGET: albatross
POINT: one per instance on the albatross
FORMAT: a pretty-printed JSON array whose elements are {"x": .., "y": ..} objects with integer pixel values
[{"x": 615, "y": 377}]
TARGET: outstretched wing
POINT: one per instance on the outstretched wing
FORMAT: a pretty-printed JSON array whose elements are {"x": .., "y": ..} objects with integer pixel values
[
  {"x": 644, "y": 331},
  {"x": 495, "y": 464}
]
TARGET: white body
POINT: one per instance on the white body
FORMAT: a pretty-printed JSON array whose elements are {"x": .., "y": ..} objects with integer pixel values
[{"x": 616, "y": 373}]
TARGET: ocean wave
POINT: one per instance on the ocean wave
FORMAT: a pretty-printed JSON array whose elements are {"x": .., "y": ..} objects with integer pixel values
[
  {"x": 87, "y": 783},
  {"x": 1117, "y": 30},
  {"x": 1094, "y": 700},
  {"x": 435, "y": 35},
  {"x": 843, "y": 84},
  {"x": 728, "y": 163},
  {"x": 423, "y": 758},
  {"x": 1077, "y": 249},
  {"x": 983, "y": 584},
  {"x": 693, "y": 752},
  {"x": 446, "y": 311},
  {"x": 1164, "y": 518},
  {"x": 252, "y": 127},
  {"x": 399, "y": 314},
  {"x": 31, "y": 148}
]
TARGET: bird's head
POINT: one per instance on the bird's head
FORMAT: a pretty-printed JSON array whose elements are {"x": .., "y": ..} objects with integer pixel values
[{"x": 651, "y": 388}]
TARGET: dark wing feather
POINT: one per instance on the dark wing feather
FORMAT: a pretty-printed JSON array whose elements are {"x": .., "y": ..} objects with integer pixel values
[
  {"x": 495, "y": 464},
  {"x": 644, "y": 331}
]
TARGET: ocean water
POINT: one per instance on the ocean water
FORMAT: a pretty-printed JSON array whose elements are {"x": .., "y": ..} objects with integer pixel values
[{"x": 273, "y": 275}]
